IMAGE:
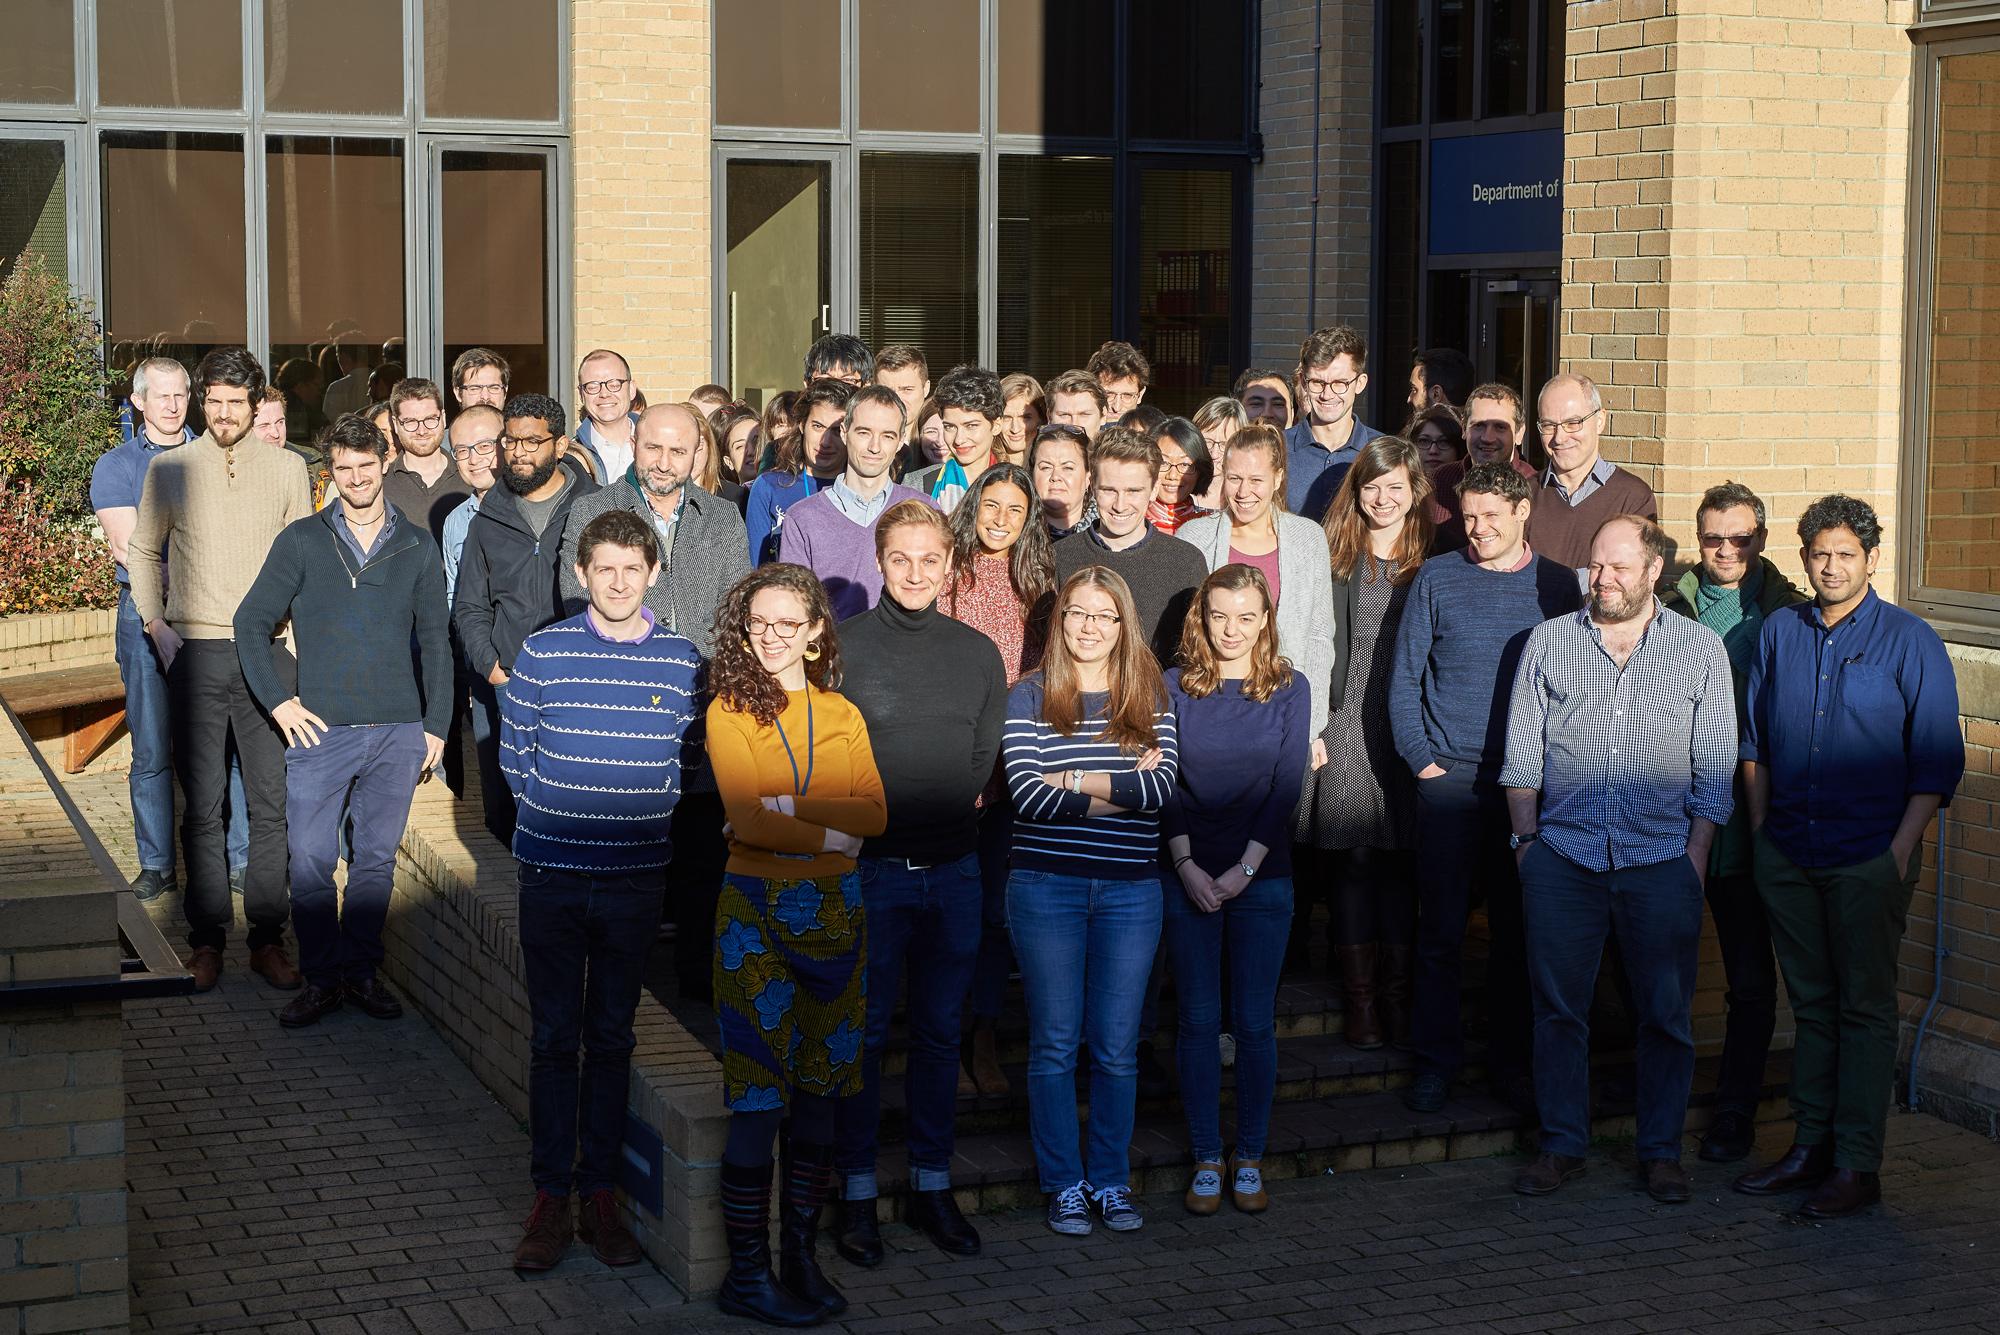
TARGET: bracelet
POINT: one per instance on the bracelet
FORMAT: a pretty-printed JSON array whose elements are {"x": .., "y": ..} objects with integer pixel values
[{"x": 1181, "y": 862}]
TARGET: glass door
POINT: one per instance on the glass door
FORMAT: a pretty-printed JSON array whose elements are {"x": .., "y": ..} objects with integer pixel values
[
  {"x": 1515, "y": 331},
  {"x": 495, "y": 236},
  {"x": 776, "y": 217},
  {"x": 1186, "y": 229}
]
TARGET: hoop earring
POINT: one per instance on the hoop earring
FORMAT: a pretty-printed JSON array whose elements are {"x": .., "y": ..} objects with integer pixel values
[
  {"x": 812, "y": 653},
  {"x": 747, "y": 648}
]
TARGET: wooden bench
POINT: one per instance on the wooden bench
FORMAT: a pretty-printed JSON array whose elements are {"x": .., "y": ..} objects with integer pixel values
[{"x": 91, "y": 699}]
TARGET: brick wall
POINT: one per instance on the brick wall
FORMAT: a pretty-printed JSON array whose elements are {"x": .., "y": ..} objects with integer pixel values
[
  {"x": 56, "y": 640},
  {"x": 1281, "y": 213},
  {"x": 640, "y": 120}
]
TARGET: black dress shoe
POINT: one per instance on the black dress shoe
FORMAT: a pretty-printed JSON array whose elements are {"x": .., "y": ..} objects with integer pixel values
[
  {"x": 1546, "y": 1173},
  {"x": 313, "y": 1004},
  {"x": 858, "y": 1235},
  {"x": 1802, "y": 1166},
  {"x": 373, "y": 1000},
  {"x": 1730, "y": 1136},
  {"x": 1846, "y": 1191},
  {"x": 936, "y": 1213},
  {"x": 1666, "y": 1181},
  {"x": 149, "y": 885}
]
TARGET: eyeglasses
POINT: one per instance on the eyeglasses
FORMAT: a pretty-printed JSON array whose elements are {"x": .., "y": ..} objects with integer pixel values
[
  {"x": 603, "y": 386},
  {"x": 1076, "y": 616},
  {"x": 1740, "y": 541},
  {"x": 481, "y": 448},
  {"x": 784, "y": 630},
  {"x": 431, "y": 423},
  {"x": 1548, "y": 428},
  {"x": 1169, "y": 466},
  {"x": 1327, "y": 389},
  {"x": 522, "y": 444},
  {"x": 1433, "y": 438}
]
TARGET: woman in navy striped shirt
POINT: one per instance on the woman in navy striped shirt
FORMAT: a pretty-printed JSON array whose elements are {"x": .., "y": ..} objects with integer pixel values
[{"x": 1090, "y": 756}]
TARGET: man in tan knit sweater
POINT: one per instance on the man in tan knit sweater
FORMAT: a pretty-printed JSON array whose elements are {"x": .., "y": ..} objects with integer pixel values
[{"x": 214, "y": 510}]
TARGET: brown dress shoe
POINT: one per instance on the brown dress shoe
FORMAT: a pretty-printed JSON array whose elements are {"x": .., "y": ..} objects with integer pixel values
[
  {"x": 206, "y": 966},
  {"x": 598, "y": 1223},
  {"x": 310, "y": 1006},
  {"x": 1846, "y": 1191},
  {"x": 1546, "y": 1173},
  {"x": 545, "y": 1237},
  {"x": 1360, "y": 1021},
  {"x": 1667, "y": 1181},
  {"x": 373, "y": 1000},
  {"x": 1802, "y": 1166},
  {"x": 276, "y": 966}
]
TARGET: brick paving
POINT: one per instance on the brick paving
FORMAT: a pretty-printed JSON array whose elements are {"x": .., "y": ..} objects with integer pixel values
[{"x": 356, "y": 1178}]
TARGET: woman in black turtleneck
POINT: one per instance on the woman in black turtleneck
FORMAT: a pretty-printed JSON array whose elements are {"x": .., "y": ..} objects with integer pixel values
[{"x": 933, "y": 693}]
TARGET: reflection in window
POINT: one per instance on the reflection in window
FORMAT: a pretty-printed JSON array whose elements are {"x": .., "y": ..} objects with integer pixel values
[
  {"x": 491, "y": 59},
  {"x": 1962, "y": 504},
  {"x": 920, "y": 64},
  {"x": 345, "y": 57},
  {"x": 34, "y": 208},
  {"x": 1186, "y": 244},
  {"x": 185, "y": 54},
  {"x": 1452, "y": 91},
  {"x": 494, "y": 216},
  {"x": 1507, "y": 49},
  {"x": 1186, "y": 69},
  {"x": 1054, "y": 293},
  {"x": 777, "y": 272},
  {"x": 777, "y": 62},
  {"x": 919, "y": 215},
  {"x": 334, "y": 210},
  {"x": 173, "y": 242},
  {"x": 1053, "y": 66},
  {"x": 38, "y": 52}
]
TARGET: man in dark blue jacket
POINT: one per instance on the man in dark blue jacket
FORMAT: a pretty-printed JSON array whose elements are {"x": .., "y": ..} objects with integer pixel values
[{"x": 369, "y": 718}]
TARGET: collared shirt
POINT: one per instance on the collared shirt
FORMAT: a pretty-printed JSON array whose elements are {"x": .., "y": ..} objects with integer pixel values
[
  {"x": 1852, "y": 722},
  {"x": 645, "y": 615},
  {"x": 1625, "y": 758},
  {"x": 861, "y": 509},
  {"x": 1313, "y": 473},
  {"x": 429, "y": 503},
  {"x": 613, "y": 457},
  {"x": 1600, "y": 473},
  {"x": 456, "y": 525},
  {"x": 345, "y": 529},
  {"x": 118, "y": 479}
]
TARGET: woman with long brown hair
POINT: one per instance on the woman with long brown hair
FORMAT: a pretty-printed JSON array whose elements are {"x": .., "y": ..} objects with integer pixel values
[
  {"x": 799, "y": 785},
  {"x": 1359, "y": 814},
  {"x": 1090, "y": 754},
  {"x": 1243, "y": 721}
]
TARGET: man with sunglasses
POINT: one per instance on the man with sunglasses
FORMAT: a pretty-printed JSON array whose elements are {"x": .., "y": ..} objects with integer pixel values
[
  {"x": 1333, "y": 375},
  {"x": 1580, "y": 488},
  {"x": 422, "y": 483},
  {"x": 507, "y": 583}
]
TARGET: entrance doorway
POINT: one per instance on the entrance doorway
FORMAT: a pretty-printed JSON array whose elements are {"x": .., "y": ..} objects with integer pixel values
[{"x": 1514, "y": 330}]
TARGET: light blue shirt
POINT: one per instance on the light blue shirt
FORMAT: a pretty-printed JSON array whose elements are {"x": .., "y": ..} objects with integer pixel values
[
  {"x": 456, "y": 525},
  {"x": 862, "y": 510},
  {"x": 1599, "y": 474}
]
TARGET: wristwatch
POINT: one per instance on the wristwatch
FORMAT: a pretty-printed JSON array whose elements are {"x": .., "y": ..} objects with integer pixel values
[
  {"x": 1520, "y": 841},
  {"x": 1248, "y": 870},
  {"x": 1076, "y": 781}
]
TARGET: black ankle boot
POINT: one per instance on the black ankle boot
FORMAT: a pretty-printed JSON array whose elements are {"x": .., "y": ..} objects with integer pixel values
[
  {"x": 808, "y": 1171},
  {"x": 750, "y": 1289},
  {"x": 858, "y": 1234}
]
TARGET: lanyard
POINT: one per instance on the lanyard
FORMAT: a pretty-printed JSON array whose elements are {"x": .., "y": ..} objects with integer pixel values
[{"x": 798, "y": 788}]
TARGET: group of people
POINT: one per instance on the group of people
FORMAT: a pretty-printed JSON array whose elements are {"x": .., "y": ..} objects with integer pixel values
[{"x": 1071, "y": 687}]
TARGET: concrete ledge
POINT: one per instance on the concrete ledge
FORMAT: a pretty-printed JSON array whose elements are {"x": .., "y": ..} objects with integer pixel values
[
  {"x": 57, "y": 640},
  {"x": 1958, "y": 1071},
  {"x": 454, "y": 951}
]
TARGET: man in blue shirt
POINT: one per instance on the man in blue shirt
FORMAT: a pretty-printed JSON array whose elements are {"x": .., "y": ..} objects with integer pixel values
[
  {"x": 1621, "y": 744},
  {"x": 1333, "y": 375},
  {"x": 1851, "y": 743}
]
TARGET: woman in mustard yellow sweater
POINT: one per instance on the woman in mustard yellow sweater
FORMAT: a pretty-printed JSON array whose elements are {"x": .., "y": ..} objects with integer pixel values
[{"x": 799, "y": 786}]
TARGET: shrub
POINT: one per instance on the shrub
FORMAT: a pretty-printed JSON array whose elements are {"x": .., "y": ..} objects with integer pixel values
[{"x": 55, "y": 420}]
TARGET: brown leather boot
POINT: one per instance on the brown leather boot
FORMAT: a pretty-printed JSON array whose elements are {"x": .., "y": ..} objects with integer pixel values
[
  {"x": 1398, "y": 964},
  {"x": 206, "y": 966},
  {"x": 545, "y": 1237},
  {"x": 599, "y": 1224},
  {"x": 1802, "y": 1166},
  {"x": 1362, "y": 1022},
  {"x": 272, "y": 962}
]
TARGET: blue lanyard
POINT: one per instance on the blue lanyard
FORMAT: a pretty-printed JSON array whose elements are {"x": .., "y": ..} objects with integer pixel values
[{"x": 798, "y": 788}]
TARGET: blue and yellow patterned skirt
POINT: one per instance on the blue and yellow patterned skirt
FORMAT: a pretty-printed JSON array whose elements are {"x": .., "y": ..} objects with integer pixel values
[{"x": 791, "y": 979}]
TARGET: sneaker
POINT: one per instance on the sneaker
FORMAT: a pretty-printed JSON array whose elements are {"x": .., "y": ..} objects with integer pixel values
[
  {"x": 1069, "y": 1210},
  {"x": 237, "y": 877},
  {"x": 1204, "y": 1193},
  {"x": 1226, "y": 1045},
  {"x": 1246, "y": 1186},
  {"x": 1115, "y": 1207},
  {"x": 149, "y": 885},
  {"x": 1427, "y": 1094}
]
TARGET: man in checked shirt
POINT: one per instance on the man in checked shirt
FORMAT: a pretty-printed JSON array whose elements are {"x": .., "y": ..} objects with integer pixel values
[{"x": 1621, "y": 746}]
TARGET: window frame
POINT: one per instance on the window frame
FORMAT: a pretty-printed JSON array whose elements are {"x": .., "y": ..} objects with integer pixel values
[{"x": 79, "y": 208}]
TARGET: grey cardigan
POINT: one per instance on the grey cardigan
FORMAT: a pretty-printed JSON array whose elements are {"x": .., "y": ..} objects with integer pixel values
[
  {"x": 711, "y": 552},
  {"x": 1306, "y": 620}
]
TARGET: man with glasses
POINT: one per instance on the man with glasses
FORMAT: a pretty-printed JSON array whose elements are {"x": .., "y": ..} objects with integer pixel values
[
  {"x": 1333, "y": 375},
  {"x": 1733, "y": 591},
  {"x": 480, "y": 375},
  {"x": 218, "y": 503},
  {"x": 1580, "y": 488},
  {"x": 841, "y": 357},
  {"x": 604, "y": 382},
  {"x": 1123, "y": 373},
  {"x": 475, "y": 448},
  {"x": 422, "y": 483},
  {"x": 507, "y": 586}
]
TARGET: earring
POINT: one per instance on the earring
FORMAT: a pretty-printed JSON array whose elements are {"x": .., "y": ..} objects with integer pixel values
[
  {"x": 747, "y": 646},
  {"x": 812, "y": 653}
]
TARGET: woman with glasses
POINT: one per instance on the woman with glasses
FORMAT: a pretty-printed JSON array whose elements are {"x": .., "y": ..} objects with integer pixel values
[
  {"x": 1242, "y": 717},
  {"x": 1001, "y": 570},
  {"x": 1438, "y": 432},
  {"x": 1090, "y": 755},
  {"x": 799, "y": 786},
  {"x": 1217, "y": 420},
  {"x": 1185, "y": 472}
]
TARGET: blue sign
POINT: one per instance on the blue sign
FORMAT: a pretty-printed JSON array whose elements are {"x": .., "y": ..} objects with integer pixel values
[{"x": 1494, "y": 194}]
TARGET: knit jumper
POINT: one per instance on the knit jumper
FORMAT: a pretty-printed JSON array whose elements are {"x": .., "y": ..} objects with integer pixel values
[
  {"x": 828, "y": 771},
  {"x": 841, "y": 552},
  {"x": 219, "y": 510},
  {"x": 1562, "y": 532},
  {"x": 1053, "y": 828},
  {"x": 989, "y": 605},
  {"x": 1162, "y": 571}
]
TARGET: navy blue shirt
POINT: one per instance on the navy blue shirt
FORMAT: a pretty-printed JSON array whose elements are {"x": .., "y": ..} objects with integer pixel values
[
  {"x": 1851, "y": 722},
  {"x": 1243, "y": 764},
  {"x": 118, "y": 478},
  {"x": 1313, "y": 473}
]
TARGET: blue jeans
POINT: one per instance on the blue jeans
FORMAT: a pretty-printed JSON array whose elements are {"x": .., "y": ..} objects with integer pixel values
[
  {"x": 236, "y": 817},
  {"x": 584, "y": 940},
  {"x": 1655, "y": 912},
  {"x": 147, "y": 719},
  {"x": 1255, "y": 925},
  {"x": 374, "y": 771},
  {"x": 1085, "y": 947},
  {"x": 996, "y": 955},
  {"x": 923, "y": 923}
]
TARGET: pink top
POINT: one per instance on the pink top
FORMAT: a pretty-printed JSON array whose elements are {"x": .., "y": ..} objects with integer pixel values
[
  {"x": 991, "y": 608},
  {"x": 1268, "y": 563}
]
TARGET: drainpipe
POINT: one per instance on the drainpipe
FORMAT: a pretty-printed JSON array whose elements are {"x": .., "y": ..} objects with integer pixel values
[
  {"x": 1938, "y": 956},
  {"x": 1312, "y": 243}
]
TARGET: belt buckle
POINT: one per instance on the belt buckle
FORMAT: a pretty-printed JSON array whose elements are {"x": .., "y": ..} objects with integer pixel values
[{"x": 912, "y": 864}]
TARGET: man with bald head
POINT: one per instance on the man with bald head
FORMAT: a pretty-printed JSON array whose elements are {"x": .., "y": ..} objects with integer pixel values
[
  {"x": 1580, "y": 488},
  {"x": 1621, "y": 752},
  {"x": 474, "y": 441},
  {"x": 703, "y": 551}
]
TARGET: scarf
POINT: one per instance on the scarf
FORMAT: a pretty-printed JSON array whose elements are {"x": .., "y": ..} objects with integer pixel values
[
  {"x": 1168, "y": 518},
  {"x": 950, "y": 485},
  {"x": 1734, "y": 614}
]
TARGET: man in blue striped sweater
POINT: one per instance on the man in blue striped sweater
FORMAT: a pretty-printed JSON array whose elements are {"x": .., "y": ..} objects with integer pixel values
[{"x": 591, "y": 725}]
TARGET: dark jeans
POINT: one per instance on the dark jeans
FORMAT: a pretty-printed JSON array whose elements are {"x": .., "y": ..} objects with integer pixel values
[
  {"x": 1464, "y": 847},
  {"x": 147, "y": 719},
  {"x": 372, "y": 772},
  {"x": 693, "y": 884},
  {"x": 496, "y": 799},
  {"x": 210, "y": 705},
  {"x": 584, "y": 940},
  {"x": 1655, "y": 912},
  {"x": 923, "y": 924},
  {"x": 1253, "y": 927},
  {"x": 1837, "y": 930},
  {"x": 996, "y": 948},
  {"x": 1743, "y": 931}
]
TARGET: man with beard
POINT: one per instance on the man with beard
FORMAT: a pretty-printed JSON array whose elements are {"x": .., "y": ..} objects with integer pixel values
[
  {"x": 1621, "y": 748},
  {"x": 702, "y": 552},
  {"x": 507, "y": 583}
]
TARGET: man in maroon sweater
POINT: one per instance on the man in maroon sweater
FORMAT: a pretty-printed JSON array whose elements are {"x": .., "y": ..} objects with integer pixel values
[{"x": 1580, "y": 488}]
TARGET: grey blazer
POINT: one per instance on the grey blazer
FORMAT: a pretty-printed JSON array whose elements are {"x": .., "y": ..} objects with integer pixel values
[
  {"x": 1305, "y": 594},
  {"x": 711, "y": 552}
]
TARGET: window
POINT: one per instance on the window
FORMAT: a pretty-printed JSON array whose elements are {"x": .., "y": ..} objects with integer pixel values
[
  {"x": 1185, "y": 71},
  {"x": 756, "y": 38},
  {"x": 494, "y": 216},
  {"x": 34, "y": 203},
  {"x": 919, "y": 219},
  {"x": 1052, "y": 67},
  {"x": 186, "y": 54},
  {"x": 38, "y": 52},
  {"x": 345, "y": 58},
  {"x": 174, "y": 241},
  {"x": 1187, "y": 224},
  {"x": 1056, "y": 260},
  {"x": 492, "y": 60},
  {"x": 777, "y": 272},
  {"x": 920, "y": 64}
]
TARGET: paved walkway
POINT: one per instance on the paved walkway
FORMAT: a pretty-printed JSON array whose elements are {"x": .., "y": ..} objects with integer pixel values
[{"x": 356, "y": 1178}]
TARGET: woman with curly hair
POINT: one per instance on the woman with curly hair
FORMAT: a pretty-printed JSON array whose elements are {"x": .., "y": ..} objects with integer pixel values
[{"x": 799, "y": 786}]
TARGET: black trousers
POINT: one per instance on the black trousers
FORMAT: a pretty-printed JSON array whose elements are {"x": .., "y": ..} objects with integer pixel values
[
  {"x": 1750, "y": 968},
  {"x": 211, "y": 705},
  {"x": 693, "y": 884}
]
